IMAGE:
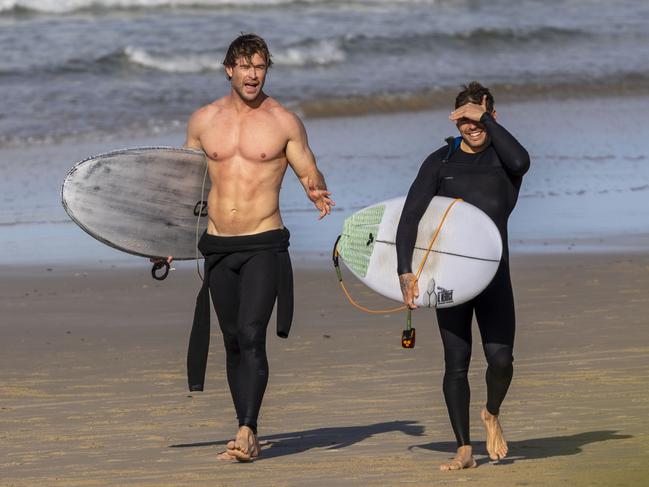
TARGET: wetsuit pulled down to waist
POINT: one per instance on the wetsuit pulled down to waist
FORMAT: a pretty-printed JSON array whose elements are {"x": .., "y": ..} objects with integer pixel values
[{"x": 245, "y": 275}]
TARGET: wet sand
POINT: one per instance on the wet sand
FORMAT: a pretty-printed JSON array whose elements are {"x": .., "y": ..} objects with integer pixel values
[{"x": 93, "y": 389}]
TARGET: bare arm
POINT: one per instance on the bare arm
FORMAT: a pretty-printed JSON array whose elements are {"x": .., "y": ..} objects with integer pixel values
[
  {"x": 192, "y": 139},
  {"x": 301, "y": 159}
]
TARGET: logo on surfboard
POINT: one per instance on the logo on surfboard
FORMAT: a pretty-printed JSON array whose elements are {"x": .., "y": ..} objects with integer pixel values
[
  {"x": 444, "y": 296},
  {"x": 200, "y": 208}
]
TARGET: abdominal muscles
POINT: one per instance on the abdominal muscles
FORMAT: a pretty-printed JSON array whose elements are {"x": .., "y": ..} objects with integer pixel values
[{"x": 244, "y": 197}]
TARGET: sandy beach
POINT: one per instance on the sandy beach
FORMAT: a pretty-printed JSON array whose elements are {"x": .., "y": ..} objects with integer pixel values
[{"x": 93, "y": 389}]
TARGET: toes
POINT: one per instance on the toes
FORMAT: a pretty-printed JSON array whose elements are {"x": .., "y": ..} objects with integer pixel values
[
  {"x": 452, "y": 465},
  {"x": 498, "y": 454},
  {"x": 225, "y": 456},
  {"x": 241, "y": 446},
  {"x": 240, "y": 456}
]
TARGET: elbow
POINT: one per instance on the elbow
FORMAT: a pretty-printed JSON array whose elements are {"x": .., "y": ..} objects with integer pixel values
[{"x": 520, "y": 165}]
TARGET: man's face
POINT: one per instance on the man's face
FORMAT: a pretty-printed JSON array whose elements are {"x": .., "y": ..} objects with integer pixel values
[
  {"x": 247, "y": 76},
  {"x": 473, "y": 133}
]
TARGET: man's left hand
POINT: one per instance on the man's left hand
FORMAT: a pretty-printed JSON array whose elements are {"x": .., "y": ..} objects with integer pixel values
[{"x": 320, "y": 198}]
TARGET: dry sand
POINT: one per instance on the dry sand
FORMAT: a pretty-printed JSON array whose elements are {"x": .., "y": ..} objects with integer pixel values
[{"x": 93, "y": 389}]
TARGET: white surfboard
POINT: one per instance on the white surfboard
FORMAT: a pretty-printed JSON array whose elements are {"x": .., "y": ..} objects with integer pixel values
[
  {"x": 463, "y": 260},
  {"x": 144, "y": 201}
]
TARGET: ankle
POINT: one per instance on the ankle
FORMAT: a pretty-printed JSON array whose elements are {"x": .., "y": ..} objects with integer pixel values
[
  {"x": 489, "y": 416},
  {"x": 248, "y": 428},
  {"x": 465, "y": 451}
]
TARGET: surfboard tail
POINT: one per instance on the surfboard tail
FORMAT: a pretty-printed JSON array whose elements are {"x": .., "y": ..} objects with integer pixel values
[{"x": 357, "y": 240}]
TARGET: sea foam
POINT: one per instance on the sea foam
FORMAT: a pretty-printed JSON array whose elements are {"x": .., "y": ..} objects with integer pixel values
[{"x": 313, "y": 54}]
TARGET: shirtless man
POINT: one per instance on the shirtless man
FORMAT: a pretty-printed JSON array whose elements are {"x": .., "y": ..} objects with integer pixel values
[{"x": 249, "y": 139}]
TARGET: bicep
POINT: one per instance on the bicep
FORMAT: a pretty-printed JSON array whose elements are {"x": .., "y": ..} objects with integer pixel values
[
  {"x": 421, "y": 192},
  {"x": 192, "y": 136}
]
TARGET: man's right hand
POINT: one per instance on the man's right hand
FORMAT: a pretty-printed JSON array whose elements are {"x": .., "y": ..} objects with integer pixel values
[{"x": 409, "y": 289}]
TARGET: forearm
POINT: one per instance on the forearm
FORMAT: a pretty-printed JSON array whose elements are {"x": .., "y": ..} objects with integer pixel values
[
  {"x": 405, "y": 243},
  {"x": 511, "y": 153},
  {"x": 419, "y": 196},
  {"x": 316, "y": 177}
]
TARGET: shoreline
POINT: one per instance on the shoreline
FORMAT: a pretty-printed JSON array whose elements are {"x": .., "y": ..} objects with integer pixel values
[
  {"x": 581, "y": 194},
  {"x": 95, "y": 256},
  {"x": 434, "y": 99},
  {"x": 365, "y": 107}
]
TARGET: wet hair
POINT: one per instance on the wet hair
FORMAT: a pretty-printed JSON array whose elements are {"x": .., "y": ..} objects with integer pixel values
[
  {"x": 473, "y": 94},
  {"x": 246, "y": 46}
]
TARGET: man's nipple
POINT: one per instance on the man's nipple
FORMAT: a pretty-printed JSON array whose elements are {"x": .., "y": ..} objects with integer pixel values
[
  {"x": 215, "y": 155},
  {"x": 263, "y": 155}
]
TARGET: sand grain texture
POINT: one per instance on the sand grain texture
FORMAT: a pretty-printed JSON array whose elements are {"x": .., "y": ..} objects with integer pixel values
[{"x": 92, "y": 384}]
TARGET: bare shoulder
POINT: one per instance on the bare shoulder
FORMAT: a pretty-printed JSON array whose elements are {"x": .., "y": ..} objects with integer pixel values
[
  {"x": 207, "y": 112},
  {"x": 285, "y": 118}
]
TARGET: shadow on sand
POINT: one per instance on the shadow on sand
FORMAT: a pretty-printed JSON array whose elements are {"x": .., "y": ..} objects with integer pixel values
[
  {"x": 555, "y": 446},
  {"x": 327, "y": 438}
]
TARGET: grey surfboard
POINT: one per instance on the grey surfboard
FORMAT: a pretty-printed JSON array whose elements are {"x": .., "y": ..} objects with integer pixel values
[{"x": 144, "y": 201}]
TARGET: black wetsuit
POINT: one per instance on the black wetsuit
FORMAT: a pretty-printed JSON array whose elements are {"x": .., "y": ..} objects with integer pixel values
[
  {"x": 490, "y": 180},
  {"x": 244, "y": 274}
]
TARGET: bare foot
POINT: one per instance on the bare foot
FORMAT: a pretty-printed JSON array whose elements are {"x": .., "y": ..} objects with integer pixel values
[
  {"x": 496, "y": 444},
  {"x": 245, "y": 446},
  {"x": 227, "y": 455},
  {"x": 463, "y": 459}
]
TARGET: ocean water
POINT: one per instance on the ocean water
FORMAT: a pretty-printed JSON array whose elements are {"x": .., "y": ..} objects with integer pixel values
[
  {"x": 571, "y": 79},
  {"x": 587, "y": 188},
  {"x": 78, "y": 69}
]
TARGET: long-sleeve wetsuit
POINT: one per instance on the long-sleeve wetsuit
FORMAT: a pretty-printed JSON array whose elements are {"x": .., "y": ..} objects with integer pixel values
[{"x": 489, "y": 180}]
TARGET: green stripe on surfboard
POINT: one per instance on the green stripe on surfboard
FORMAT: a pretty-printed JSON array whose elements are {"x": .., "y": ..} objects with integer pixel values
[{"x": 359, "y": 235}]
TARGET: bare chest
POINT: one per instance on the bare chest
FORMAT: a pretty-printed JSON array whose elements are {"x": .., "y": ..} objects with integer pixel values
[{"x": 253, "y": 139}]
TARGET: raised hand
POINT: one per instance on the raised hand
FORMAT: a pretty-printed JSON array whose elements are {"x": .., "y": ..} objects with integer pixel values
[{"x": 470, "y": 111}]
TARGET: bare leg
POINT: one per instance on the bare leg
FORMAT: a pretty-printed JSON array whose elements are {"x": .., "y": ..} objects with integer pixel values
[
  {"x": 463, "y": 459},
  {"x": 496, "y": 444}
]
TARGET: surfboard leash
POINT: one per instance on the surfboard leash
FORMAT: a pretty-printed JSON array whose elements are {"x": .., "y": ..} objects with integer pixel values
[
  {"x": 408, "y": 336},
  {"x": 198, "y": 218}
]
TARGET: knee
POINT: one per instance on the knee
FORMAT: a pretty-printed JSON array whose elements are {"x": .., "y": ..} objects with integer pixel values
[
  {"x": 231, "y": 342},
  {"x": 456, "y": 363},
  {"x": 501, "y": 361},
  {"x": 252, "y": 340}
]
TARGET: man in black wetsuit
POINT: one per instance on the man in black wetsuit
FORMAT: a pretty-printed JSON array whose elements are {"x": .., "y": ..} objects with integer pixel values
[{"x": 484, "y": 167}]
